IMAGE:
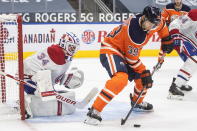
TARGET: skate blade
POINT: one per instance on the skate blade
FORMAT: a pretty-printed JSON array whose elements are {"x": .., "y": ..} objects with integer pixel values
[
  {"x": 91, "y": 121},
  {"x": 142, "y": 110},
  {"x": 174, "y": 97}
]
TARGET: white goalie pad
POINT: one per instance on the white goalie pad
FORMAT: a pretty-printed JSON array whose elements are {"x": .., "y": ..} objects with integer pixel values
[
  {"x": 44, "y": 85},
  {"x": 52, "y": 108},
  {"x": 74, "y": 79}
]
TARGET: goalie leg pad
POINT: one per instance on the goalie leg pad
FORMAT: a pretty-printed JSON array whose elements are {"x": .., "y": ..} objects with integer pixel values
[
  {"x": 53, "y": 107},
  {"x": 28, "y": 112},
  {"x": 44, "y": 85}
]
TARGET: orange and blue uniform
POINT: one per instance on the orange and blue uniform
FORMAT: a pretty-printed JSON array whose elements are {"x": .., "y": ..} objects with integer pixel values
[
  {"x": 170, "y": 13},
  {"x": 119, "y": 55}
]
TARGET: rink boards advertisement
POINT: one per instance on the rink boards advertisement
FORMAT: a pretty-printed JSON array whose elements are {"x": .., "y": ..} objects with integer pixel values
[{"x": 40, "y": 36}]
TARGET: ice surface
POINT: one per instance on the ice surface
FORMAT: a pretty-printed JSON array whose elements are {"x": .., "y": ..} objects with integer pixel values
[{"x": 168, "y": 115}]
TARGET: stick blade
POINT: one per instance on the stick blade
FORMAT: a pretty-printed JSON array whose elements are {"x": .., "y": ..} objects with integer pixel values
[
  {"x": 88, "y": 98},
  {"x": 122, "y": 121},
  {"x": 91, "y": 95}
]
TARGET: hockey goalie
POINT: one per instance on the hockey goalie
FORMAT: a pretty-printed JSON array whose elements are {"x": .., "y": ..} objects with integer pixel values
[{"x": 44, "y": 70}]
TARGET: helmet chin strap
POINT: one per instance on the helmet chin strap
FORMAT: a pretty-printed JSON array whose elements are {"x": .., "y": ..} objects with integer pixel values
[{"x": 142, "y": 20}]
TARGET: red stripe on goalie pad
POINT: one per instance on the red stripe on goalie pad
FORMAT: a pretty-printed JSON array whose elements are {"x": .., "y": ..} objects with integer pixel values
[{"x": 48, "y": 93}]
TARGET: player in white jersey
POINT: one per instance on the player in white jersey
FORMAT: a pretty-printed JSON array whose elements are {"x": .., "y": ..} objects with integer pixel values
[
  {"x": 47, "y": 68},
  {"x": 184, "y": 33}
]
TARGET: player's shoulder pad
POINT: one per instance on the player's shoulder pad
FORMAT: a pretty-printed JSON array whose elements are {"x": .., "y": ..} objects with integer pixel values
[
  {"x": 56, "y": 54},
  {"x": 186, "y": 8}
]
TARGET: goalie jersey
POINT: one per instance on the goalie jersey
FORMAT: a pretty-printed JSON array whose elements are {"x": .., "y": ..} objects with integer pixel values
[{"x": 53, "y": 58}]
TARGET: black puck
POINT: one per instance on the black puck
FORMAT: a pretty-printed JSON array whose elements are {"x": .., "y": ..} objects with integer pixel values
[{"x": 137, "y": 125}]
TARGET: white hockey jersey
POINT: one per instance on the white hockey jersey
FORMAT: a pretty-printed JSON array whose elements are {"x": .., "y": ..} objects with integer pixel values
[
  {"x": 52, "y": 58},
  {"x": 186, "y": 27}
]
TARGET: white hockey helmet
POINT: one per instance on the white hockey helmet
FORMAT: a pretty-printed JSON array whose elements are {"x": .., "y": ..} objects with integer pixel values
[{"x": 69, "y": 42}]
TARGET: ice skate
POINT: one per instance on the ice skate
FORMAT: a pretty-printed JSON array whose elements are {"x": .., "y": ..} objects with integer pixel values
[
  {"x": 142, "y": 107},
  {"x": 183, "y": 87},
  {"x": 175, "y": 93},
  {"x": 93, "y": 117},
  {"x": 186, "y": 88}
]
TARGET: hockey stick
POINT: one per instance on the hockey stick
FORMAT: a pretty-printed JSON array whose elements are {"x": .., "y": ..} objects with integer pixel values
[
  {"x": 82, "y": 104},
  {"x": 158, "y": 65},
  {"x": 77, "y": 104},
  {"x": 123, "y": 121}
]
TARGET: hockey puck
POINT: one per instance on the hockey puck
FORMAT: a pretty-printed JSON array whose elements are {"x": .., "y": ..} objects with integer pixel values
[{"x": 137, "y": 125}]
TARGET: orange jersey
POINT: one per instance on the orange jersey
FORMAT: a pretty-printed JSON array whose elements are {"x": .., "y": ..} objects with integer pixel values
[
  {"x": 128, "y": 39},
  {"x": 170, "y": 13}
]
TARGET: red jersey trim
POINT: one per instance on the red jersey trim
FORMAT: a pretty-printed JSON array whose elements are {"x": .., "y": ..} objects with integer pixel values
[{"x": 174, "y": 31}]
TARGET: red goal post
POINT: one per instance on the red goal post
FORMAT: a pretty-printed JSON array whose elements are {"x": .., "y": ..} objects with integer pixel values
[{"x": 11, "y": 61}]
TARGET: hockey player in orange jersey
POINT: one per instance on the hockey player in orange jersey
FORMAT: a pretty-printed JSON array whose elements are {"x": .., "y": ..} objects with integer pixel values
[
  {"x": 173, "y": 10},
  {"x": 119, "y": 55}
]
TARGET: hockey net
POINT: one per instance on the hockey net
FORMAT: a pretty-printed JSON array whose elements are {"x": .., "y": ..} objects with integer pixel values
[{"x": 11, "y": 62}]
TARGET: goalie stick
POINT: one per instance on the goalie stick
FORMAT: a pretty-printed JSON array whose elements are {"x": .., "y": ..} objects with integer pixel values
[{"x": 77, "y": 104}]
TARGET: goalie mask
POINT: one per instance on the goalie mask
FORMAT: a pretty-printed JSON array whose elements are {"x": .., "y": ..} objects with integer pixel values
[{"x": 70, "y": 43}]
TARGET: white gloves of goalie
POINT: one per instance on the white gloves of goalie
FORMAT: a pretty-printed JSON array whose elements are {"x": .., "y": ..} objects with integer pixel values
[{"x": 74, "y": 79}]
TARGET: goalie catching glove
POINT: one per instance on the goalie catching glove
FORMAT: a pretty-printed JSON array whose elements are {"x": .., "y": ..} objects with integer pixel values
[{"x": 73, "y": 80}]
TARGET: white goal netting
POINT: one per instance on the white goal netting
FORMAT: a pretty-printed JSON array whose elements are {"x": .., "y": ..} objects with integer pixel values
[{"x": 11, "y": 62}]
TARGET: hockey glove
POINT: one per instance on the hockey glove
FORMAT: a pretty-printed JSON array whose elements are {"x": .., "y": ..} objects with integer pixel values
[
  {"x": 74, "y": 79},
  {"x": 167, "y": 44},
  {"x": 146, "y": 78}
]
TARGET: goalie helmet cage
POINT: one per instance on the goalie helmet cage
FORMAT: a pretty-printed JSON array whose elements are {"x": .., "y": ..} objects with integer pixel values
[{"x": 11, "y": 62}]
